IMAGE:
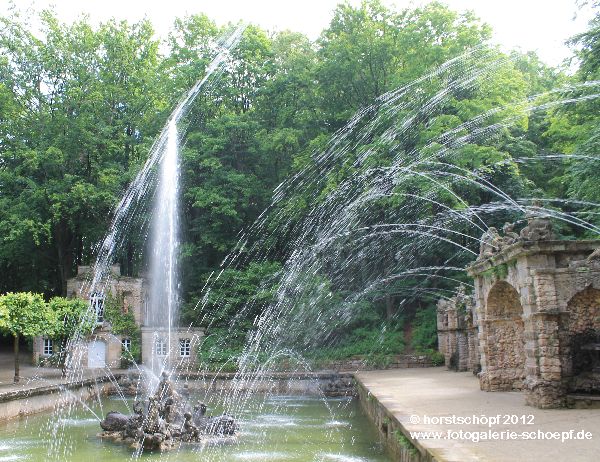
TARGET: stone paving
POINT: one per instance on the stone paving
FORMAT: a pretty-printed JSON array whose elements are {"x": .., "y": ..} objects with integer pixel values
[
  {"x": 33, "y": 377},
  {"x": 436, "y": 392},
  {"x": 30, "y": 375}
]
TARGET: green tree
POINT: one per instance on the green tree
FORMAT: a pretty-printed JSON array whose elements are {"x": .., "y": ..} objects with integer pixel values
[
  {"x": 25, "y": 314},
  {"x": 242, "y": 136},
  {"x": 370, "y": 49},
  {"x": 83, "y": 105},
  {"x": 573, "y": 130},
  {"x": 80, "y": 106},
  {"x": 72, "y": 316}
]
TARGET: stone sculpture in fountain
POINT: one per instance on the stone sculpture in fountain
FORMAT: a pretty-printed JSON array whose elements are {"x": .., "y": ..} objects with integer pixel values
[{"x": 165, "y": 420}]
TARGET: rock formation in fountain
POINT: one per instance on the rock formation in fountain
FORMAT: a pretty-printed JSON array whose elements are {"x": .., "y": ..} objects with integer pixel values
[{"x": 165, "y": 420}]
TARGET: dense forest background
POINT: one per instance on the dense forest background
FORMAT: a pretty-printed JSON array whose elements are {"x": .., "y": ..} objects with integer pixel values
[{"x": 80, "y": 107}]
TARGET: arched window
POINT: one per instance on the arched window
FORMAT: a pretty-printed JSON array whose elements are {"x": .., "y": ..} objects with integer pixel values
[{"x": 97, "y": 302}]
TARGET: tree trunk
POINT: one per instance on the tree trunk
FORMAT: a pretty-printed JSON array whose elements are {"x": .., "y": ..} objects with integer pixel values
[
  {"x": 63, "y": 358},
  {"x": 64, "y": 248},
  {"x": 17, "y": 377},
  {"x": 389, "y": 307}
]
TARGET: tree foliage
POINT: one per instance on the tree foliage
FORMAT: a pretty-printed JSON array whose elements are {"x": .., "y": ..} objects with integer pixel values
[
  {"x": 26, "y": 314},
  {"x": 81, "y": 104},
  {"x": 71, "y": 316}
]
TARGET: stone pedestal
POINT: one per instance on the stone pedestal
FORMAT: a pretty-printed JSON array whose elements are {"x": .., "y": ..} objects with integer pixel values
[{"x": 545, "y": 387}]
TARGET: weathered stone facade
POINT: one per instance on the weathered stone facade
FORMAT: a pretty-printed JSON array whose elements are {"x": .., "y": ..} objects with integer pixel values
[
  {"x": 179, "y": 352},
  {"x": 131, "y": 291},
  {"x": 537, "y": 300},
  {"x": 105, "y": 349},
  {"x": 457, "y": 332},
  {"x": 503, "y": 365}
]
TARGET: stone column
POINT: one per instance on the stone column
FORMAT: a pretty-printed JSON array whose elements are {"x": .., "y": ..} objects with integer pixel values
[
  {"x": 474, "y": 355},
  {"x": 443, "y": 333},
  {"x": 463, "y": 350},
  {"x": 484, "y": 375},
  {"x": 544, "y": 387}
]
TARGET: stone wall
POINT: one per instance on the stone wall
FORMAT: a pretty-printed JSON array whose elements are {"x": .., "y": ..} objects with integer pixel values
[
  {"x": 579, "y": 350},
  {"x": 363, "y": 364},
  {"x": 504, "y": 342},
  {"x": 31, "y": 399},
  {"x": 392, "y": 432},
  {"x": 328, "y": 383},
  {"x": 173, "y": 356},
  {"x": 131, "y": 292},
  {"x": 538, "y": 304},
  {"x": 457, "y": 333}
]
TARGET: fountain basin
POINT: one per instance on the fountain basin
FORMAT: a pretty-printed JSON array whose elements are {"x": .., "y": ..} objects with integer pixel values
[{"x": 272, "y": 428}]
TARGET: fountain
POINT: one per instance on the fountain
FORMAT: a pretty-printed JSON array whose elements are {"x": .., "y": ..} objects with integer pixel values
[
  {"x": 162, "y": 311},
  {"x": 381, "y": 210},
  {"x": 166, "y": 420},
  {"x": 319, "y": 245},
  {"x": 337, "y": 243}
]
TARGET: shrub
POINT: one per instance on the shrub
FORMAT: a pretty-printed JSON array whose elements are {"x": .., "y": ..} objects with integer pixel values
[{"x": 424, "y": 333}]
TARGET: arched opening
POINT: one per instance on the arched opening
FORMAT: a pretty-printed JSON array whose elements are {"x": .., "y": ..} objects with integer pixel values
[
  {"x": 581, "y": 351},
  {"x": 505, "y": 348}
]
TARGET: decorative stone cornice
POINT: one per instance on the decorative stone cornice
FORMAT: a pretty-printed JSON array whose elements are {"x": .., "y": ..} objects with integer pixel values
[{"x": 525, "y": 248}]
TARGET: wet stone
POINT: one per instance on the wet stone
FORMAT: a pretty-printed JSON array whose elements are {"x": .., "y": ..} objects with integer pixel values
[{"x": 165, "y": 420}]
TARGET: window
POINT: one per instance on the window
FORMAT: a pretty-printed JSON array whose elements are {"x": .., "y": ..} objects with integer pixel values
[
  {"x": 126, "y": 344},
  {"x": 161, "y": 347},
  {"x": 185, "y": 346},
  {"x": 97, "y": 302},
  {"x": 48, "y": 347}
]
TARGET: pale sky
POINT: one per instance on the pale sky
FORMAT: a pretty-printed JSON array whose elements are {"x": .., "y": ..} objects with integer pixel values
[{"x": 538, "y": 25}]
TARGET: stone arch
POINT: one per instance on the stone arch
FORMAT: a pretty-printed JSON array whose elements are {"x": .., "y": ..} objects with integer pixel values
[
  {"x": 584, "y": 310},
  {"x": 503, "y": 301},
  {"x": 580, "y": 340},
  {"x": 505, "y": 342}
]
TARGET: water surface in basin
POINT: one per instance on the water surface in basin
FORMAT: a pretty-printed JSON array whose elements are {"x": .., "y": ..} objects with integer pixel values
[{"x": 280, "y": 428}]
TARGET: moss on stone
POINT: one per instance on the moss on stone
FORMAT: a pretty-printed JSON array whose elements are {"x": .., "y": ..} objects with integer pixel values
[
  {"x": 499, "y": 272},
  {"x": 406, "y": 443}
]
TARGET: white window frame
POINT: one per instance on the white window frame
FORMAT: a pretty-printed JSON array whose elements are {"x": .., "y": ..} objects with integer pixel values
[
  {"x": 126, "y": 344},
  {"x": 185, "y": 347},
  {"x": 97, "y": 303},
  {"x": 160, "y": 347},
  {"x": 48, "y": 347}
]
